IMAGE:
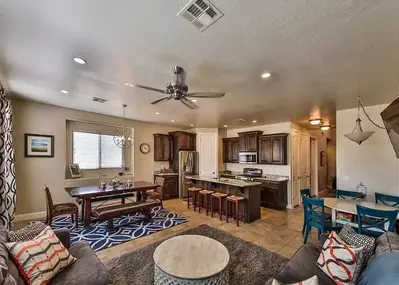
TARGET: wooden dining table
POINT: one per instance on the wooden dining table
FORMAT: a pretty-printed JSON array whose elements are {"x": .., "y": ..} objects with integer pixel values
[{"x": 90, "y": 193}]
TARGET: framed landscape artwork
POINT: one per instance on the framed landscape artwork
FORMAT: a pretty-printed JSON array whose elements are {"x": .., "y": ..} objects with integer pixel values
[{"x": 39, "y": 145}]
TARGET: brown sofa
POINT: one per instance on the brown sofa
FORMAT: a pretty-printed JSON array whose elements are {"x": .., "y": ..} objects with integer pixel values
[{"x": 87, "y": 269}]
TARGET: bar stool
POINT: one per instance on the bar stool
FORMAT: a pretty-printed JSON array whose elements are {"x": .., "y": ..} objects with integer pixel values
[
  {"x": 194, "y": 190},
  {"x": 206, "y": 194},
  {"x": 218, "y": 197},
  {"x": 233, "y": 202}
]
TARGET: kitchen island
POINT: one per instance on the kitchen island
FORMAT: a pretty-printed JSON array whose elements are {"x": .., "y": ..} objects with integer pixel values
[{"x": 248, "y": 189}]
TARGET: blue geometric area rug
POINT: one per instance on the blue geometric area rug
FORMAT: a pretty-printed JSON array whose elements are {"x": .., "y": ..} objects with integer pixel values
[{"x": 127, "y": 228}]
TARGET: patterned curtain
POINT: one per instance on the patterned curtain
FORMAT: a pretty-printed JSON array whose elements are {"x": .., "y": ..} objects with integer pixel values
[{"x": 7, "y": 163}]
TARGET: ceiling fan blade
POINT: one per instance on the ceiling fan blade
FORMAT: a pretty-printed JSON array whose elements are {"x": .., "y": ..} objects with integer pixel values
[
  {"x": 150, "y": 88},
  {"x": 205, "y": 94},
  {"x": 188, "y": 103},
  {"x": 164, "y": 99}
]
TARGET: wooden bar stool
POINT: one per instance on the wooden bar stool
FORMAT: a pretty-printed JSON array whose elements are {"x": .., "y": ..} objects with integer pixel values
[
  {"x": 206, "y": 194},
  {"x": 233, "y": 205},
  {"x": 194, "y": 194},
  {"x": 218, "y": 197}
]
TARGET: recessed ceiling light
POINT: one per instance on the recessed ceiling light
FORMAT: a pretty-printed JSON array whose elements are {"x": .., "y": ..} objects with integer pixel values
[
  {"x": 172, "y": 121},
  {"x": 265, "y": 75},
  {"x": 157, "y": 113},
  {"x": 225, "y": 126},
  {"x": 325, "y": 128},
  {"x": 129, "y": 85},
  {"x": 254, "y": 121},
  {"x": 191, "y": 125},
  {"x": 315, "y": 122},
  {"x": 64, "y": 91},
  {"x": 79, "y": 60},
  {"x": 194, "y": 100}
]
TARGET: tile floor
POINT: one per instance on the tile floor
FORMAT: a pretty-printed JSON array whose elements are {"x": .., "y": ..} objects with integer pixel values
[{"x": 278, "y": 231}]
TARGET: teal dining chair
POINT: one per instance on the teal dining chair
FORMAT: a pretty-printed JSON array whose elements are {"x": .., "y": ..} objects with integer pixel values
[
  {"x": 350, "y": 195},
  {"x": 388, "y": 200},
  {"x": 305, "y": 193},
  {"x": 371, "y": 222},
  {"x": 316, "y": 218}
]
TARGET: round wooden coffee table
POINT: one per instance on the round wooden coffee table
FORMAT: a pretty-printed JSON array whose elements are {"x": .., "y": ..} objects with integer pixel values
[{"x": 191, "y": 259}]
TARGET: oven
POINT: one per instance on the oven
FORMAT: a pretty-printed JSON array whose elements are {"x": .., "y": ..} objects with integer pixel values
[{"x": 248, "y": 157}]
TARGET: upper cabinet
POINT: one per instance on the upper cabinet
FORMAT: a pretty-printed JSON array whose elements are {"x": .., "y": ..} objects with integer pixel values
[
  {"x": 183, "y": 140},
  {"x": 162, "y": 147},
  {"x": 273, "y": 149},
  {"x": 230, "y": 150},
  {"x": 249, "y": 141}
]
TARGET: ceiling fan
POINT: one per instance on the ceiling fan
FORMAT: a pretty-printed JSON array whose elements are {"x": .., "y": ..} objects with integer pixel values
[{"x": 177, "y": 89}]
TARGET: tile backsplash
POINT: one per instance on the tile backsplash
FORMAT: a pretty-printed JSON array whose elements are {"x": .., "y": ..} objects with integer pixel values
[{"x": 267, "y": 169}]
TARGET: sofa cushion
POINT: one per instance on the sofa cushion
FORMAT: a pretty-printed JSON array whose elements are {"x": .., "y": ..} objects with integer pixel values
[
  {"x": 40, "y": 259},
  {"x": 388, "y": 242},
  {"x": 27, "y": 233},
  {"x": 340, "y": 261},
  {"x": 87, "y": 269},
  {"x": 302, "y": 266},
  {"x": 311, "y": 281},
  {"x": 5, "y": 277},
  {"x": 382, "y": 270},
  {"x": 351, "y": 237}
]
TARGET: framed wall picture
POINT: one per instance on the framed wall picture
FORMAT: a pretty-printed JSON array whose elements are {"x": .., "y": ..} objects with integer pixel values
[
  {"x": 39, "y": 145},
  {"x": 74, "y": 170},
  {"x": 322, "y": 158}
]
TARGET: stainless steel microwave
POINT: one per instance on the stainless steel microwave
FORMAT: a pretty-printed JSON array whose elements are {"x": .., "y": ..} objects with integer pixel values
[{"x": 248, "y": 157}]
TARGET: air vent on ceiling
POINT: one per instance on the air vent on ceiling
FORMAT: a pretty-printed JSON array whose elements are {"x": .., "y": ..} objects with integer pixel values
[
  {"x": 201, "y": 13},
  {"x": 99, "y": 100}
]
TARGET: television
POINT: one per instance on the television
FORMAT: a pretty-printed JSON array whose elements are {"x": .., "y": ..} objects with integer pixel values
[{"x": 390, "y": 116}]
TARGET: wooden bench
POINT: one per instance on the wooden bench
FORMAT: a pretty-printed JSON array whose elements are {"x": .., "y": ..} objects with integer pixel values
[{"x": 115, "y": 211}]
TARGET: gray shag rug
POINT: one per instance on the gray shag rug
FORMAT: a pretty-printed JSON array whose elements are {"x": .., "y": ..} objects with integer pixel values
[{"x": 249, "y": 264}]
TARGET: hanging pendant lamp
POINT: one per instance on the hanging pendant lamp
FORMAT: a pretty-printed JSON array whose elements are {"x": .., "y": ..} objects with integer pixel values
[
  {"x": 123, "y": 138},
  {"x": 358, "y": 135}
]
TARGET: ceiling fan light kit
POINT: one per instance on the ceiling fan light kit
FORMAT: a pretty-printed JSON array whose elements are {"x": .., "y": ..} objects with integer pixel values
[{"x": 178, "y": 90}]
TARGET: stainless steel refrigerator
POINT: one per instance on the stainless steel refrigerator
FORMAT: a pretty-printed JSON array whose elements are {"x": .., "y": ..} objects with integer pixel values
[{"x": 188, "y": 165}]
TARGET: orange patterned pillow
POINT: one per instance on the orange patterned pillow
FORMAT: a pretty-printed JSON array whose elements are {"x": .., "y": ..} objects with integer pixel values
[{"x": 40, "y": 259}]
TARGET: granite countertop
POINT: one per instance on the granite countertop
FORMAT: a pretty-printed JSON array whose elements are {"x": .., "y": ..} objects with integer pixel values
[
  {"x": 166, "y": 173},
  {"x": 230, "y": 182},
  {"x": 267, "y": 177}
]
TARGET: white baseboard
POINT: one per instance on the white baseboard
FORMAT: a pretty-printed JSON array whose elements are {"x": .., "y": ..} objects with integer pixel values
[
  {"x": 289, "y": 207},
  {"x": 30, "y": 216}
]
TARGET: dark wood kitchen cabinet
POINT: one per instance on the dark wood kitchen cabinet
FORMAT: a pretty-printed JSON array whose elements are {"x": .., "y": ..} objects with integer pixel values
[
  {"x": 230, "y": 150},
  {"x": 180, "y": 141},
  {"x": 249, "y": 140},
  {"x": 162, "y": 147},
  {"x": 274, "y": 194},
  {"x": 273, "y": 149},
  {"x": 170, "y": 188}
]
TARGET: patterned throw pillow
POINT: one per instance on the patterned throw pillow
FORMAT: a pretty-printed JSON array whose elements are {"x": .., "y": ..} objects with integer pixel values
[
  {"x": 339, "y": 261},
  {"x": 40, "y": 259},
  {"x": 351, "y": 237},
  {"x": 27, "y": 233},
  {"x": 311, "y": 281}
]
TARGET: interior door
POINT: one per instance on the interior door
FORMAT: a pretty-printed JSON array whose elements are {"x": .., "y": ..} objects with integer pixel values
[
  {"x": 305, "y": 161},
  {"x": 296, "y": 170},
  {"x": 207, "y": 154}
]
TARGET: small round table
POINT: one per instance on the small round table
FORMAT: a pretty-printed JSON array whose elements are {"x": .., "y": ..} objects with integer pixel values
[{"x": 189, "y": 260}]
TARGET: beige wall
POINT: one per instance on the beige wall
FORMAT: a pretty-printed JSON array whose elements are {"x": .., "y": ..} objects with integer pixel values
[
  {"x": 373, "y": 162},
  {"x": 33, "y": 173}
]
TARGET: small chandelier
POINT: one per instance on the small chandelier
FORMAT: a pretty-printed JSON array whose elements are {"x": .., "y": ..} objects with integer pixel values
[
  {"x": 358, "y": 135},
  {"x": 123, "y": 138}
]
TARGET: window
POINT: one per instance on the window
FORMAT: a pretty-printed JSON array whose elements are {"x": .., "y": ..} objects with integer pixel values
[{"x": 95, "y": 151}]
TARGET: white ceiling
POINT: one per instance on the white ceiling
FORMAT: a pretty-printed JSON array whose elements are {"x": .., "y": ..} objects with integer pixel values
[{"x": 321, "y": 53}]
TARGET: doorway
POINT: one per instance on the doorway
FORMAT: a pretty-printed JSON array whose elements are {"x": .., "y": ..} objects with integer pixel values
[
  {"x": 331, "y": 163},
  {"x": 207, "y": 154},
  {"x": 314, "y": 167}
]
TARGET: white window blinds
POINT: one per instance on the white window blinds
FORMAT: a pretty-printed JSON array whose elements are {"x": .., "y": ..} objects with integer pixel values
[{"x": 94, "y": 151}]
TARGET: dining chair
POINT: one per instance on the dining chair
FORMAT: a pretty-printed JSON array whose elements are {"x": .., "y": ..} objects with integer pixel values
[
  {"x": 53, "y": 210},
  {"x": 371, "y": 222},
  {"x": 350, "y": 195},
  {"x": 305, "y": 193},
  {"x": 388, "y": 200},
  {"x": 315, "y": 217},
  {"x": 157, "y": 194}
]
